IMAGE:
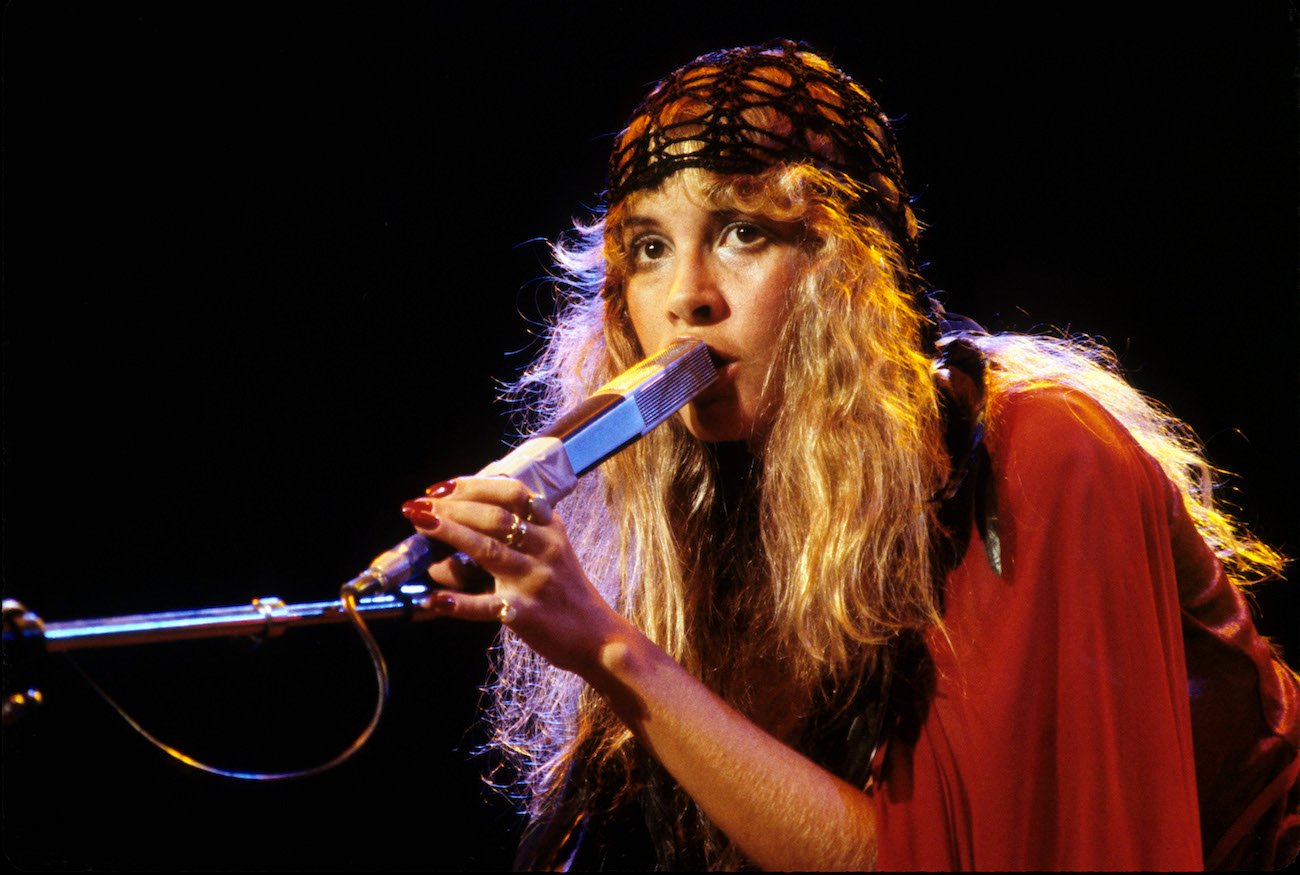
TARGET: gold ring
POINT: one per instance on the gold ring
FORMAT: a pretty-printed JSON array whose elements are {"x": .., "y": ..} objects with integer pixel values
[
  {"x": 518, "y": 528},
  {"x": 506, "y": 612},
  {"x": 528, "y": 508}
]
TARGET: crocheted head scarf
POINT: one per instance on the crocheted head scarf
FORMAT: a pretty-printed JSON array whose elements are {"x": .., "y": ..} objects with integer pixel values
[{"x": 742, "y": 110}]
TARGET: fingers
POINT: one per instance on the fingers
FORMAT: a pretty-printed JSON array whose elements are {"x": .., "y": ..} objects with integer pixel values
[
  {"x": 492, "y": 520},
  {"x": 537, "y": 509},
  {"x": 482, "y": 608},
  {"x": 462, "y": 573},
  {"x": 505, "y": 540},
  {"x": 503, "y": 492},
  {"x": 498, "y": 507},
  {"x": 462, "y": 525}
]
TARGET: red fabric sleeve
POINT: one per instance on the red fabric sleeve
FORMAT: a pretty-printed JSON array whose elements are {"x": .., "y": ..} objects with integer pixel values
[
  {"x": 1245, "y": 717},
  {"x": 1058, "y": 734}
]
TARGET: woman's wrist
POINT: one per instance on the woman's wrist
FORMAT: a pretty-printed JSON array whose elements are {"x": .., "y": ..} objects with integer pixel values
[{"x": 621, "y": 665}]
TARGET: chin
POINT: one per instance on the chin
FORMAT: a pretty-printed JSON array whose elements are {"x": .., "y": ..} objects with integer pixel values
[{"x": 717, "y": 423}]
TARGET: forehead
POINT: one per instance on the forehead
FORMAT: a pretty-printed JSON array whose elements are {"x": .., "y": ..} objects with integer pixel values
[
  {"x": 688, "y": 190},
  {"x": 684, "y": 189}
]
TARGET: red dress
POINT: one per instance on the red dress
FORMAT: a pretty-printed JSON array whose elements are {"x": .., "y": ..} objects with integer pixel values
[{"x": 1063, "y": 732}]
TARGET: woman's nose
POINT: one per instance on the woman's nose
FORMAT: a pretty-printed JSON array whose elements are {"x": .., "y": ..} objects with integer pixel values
[{"x": 695, "y": 297}]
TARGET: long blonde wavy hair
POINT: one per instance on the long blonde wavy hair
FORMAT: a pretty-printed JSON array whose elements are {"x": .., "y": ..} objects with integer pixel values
[{"x": 831, "y": 537}]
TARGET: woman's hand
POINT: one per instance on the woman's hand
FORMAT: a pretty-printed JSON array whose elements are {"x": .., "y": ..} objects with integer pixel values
[
  {"x": 541, "y": 591},
  {"x": 784, "y": 811}
]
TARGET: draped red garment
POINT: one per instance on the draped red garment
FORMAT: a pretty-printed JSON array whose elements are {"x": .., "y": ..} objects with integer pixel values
[{"x": 1060, "y": 733}]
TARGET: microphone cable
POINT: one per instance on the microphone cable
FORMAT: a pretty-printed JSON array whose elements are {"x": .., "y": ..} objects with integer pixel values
[{"x": 348, "y": 595}]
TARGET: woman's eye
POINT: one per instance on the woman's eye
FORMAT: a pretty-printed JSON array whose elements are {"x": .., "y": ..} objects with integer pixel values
[
  {"x": 648, "y": 249},
  {"x": 743, "y": 234}
]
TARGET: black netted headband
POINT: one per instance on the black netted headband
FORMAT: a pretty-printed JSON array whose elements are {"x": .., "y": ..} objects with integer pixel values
[{"x": 743, "y": 110}]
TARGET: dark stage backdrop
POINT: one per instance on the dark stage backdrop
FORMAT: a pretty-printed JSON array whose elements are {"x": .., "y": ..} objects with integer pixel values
[{"x": 266, "y": 264}]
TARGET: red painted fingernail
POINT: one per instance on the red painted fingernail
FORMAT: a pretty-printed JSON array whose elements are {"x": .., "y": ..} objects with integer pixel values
[
  {"x": 420, "y": 512},
  {"x": 438, "y": 490},
  {"x": 416, "y": 504}
]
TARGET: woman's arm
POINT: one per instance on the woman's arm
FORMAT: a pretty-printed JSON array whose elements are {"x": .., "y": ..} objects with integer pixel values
[{"x": 781, "y": 809}]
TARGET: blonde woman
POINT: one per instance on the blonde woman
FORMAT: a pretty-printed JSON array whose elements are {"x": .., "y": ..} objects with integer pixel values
[{"x": 893, "y": 591}]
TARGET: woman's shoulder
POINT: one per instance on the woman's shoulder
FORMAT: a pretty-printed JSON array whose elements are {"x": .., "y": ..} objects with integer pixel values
[
  {"x": 1052, "y": 416},
  {"x": 1046, "y": 437},
  {"x": 1053, "y": 420}
]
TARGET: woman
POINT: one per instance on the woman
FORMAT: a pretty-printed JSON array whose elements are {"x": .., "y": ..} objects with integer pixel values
[{"x": 893, "y": 591}]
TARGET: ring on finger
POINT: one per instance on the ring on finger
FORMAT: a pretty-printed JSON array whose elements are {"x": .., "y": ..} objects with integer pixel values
[
  {"x": 537, "y": 510},
  {"x": 518, "y": 528},
  {"x": 506, "y": 612}
]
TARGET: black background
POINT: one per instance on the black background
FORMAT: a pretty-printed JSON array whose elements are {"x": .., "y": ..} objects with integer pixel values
[{"x": 265, "y": 264}]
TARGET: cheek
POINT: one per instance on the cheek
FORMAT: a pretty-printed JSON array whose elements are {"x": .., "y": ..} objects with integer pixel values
[
  {"x": 641, "y": 319},
  {"x": 772, "y": 308}
]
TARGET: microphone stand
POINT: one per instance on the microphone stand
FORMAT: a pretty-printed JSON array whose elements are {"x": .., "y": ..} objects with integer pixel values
[
  {"x": 264, "y": 617},
  {"x": 27, "y": 636}
]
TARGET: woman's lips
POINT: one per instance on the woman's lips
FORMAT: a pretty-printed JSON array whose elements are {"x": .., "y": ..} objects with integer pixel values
[
  {"x": 726, "y": 379},
  {"x": 721, "y": 359},
  {"x": 726, "y": 364}
]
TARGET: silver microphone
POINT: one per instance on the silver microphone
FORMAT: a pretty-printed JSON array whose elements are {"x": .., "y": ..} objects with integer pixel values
[{"x": 550, "y": 463}]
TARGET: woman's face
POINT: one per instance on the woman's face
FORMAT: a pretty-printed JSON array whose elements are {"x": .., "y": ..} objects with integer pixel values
[{"x": 718, "y": 275}]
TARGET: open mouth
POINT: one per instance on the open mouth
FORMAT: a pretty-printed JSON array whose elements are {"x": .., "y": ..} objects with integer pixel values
[{"x": 722, "y": 361}]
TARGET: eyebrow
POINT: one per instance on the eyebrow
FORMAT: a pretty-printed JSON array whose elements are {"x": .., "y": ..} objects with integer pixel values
[
  {"x": 726, "y": 214},
  {"x": 637, "y": 222}
]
